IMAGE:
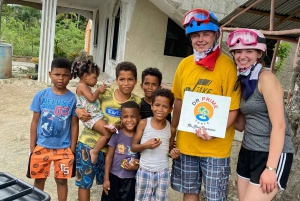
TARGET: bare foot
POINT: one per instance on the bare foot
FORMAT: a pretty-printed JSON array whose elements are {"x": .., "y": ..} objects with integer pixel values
[{"x": 94, "y": 156}]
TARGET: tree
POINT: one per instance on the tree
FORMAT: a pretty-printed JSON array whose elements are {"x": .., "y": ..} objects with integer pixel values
[
  {"x": 30, "y": 16},
  {"x": 21, "y": 28}
]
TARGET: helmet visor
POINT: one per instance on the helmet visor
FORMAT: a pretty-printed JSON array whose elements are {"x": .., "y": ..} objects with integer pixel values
[
  {"x": 246, "y": 37},
  {"x": 199, "y": 15}
]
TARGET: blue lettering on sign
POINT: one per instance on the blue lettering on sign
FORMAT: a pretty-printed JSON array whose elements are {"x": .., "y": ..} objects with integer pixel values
[{"x": 113, "y": 112}]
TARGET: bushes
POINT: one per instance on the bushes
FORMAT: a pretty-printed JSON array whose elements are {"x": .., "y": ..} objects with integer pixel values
[{"x": 25, "y": 37}]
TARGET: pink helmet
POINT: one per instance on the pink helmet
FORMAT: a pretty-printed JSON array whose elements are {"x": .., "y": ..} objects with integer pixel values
[{"x": 246, "y": 39}]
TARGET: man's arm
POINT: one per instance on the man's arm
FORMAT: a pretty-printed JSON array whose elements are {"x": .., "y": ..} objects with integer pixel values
[
  {"x": 33, "y": 130},
  {"x": 231, "y": 117},
  {"x": 74, "y": 132},
  {"x": 240, "y": 121},
  {"x": 176, "y": 112},
  {"x": 172, "y": 139}
]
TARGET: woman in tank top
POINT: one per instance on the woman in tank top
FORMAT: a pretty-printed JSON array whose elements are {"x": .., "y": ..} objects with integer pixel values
[{"x": 266, "y": 153}]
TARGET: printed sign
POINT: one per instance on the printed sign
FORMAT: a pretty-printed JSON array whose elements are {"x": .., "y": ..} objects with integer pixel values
[{"x": 210, "y": 111}]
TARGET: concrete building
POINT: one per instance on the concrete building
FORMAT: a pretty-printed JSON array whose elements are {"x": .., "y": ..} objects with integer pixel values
[{"x": 145, "y": 32}]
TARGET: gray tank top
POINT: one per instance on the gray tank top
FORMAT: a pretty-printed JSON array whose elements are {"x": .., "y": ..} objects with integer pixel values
[
  {"x": 156, "y": 159},
  {"x": 258, "y": 127}
]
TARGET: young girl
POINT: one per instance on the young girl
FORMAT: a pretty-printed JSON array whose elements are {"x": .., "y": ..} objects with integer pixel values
[
  {"x": 88, "y": 73},
  {"x": 266, "y": 154}
]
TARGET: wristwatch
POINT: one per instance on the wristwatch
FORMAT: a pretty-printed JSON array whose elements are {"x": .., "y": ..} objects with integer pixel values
[{"x": 270, "y": 168}]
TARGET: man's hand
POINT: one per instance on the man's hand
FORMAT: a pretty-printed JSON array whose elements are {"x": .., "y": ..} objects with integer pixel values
[{"x": 201, "y": 133}]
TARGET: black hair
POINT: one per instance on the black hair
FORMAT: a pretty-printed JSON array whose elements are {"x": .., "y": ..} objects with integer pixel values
[
  {"x": 79, "y": 68},
  {"x": 154, "y": 72},
  {"x": 61, "y": 63},
  {"x": 164, "y": 93},
  {"x": 126, "y": 66},
  {"x": 130, "y": 104}
]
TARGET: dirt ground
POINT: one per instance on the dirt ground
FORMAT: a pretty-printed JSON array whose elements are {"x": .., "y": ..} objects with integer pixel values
[{"x": 15, "y": 98}]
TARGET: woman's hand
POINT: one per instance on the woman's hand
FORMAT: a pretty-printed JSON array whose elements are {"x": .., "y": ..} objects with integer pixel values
[
  {"x": 201, "y": 133},
  {"x": 82, "y": 114},
  {"x": 268, "y": 181}
]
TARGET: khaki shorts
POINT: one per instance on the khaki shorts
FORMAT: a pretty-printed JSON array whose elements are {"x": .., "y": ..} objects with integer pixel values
[{"x": 41, "y": 158}]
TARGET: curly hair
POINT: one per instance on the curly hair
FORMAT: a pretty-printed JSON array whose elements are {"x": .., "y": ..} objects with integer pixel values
[
  {"x": 130, "y": 104},
  {"x": 79, "y": 68},
  {"x": 126, "y": 66},
  {"x": 153, "y": 72},
  {"x": 164, "y": 93},
  {"x": 61, "y": 63}
]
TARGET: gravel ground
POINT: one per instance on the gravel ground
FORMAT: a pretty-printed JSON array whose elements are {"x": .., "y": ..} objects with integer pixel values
[{"x": 15, "y": 117}]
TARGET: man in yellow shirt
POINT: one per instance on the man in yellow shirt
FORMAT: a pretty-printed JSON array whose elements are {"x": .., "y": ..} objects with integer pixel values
[{"x": 204, "y": 158}]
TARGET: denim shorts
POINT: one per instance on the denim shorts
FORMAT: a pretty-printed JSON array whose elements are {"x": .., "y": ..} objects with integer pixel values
[
  {"x": 189, "y": 171},
  {"x": 86, "y": 171}
]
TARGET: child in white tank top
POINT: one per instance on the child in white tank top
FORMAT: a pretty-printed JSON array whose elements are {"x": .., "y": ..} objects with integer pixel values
[{"x": 154, "y": 138}]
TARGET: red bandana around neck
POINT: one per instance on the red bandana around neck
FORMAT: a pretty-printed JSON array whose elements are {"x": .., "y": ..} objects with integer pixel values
[{"x": 210, "y": 60}]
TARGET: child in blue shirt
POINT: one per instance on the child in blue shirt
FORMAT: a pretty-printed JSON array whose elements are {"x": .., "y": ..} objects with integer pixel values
[{"x": 54, "y": 130}]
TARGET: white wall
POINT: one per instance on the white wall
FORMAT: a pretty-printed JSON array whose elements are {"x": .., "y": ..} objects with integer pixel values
[{"x": 146, "y": 39}]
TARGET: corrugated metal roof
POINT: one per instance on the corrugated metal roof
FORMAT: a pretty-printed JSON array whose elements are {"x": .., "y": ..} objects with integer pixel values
[{"x": 258, "y": 17}]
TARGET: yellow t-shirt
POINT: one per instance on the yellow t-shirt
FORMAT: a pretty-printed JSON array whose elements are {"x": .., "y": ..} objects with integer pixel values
[
  {"x": 220, "y": 81},
  {"x": 111, "y": 109}
]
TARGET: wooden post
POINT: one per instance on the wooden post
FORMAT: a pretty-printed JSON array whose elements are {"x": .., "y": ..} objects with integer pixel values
[
  {"x": 220, "y": 40},
  {"x": 296, "y": 54},
  {"x": 272, "y": 67},
  {"x": 272, "y": 13}
]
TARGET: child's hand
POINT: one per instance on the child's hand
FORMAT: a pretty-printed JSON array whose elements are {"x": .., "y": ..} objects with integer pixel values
[
  {"x": 174, "y": 153},
  {"x": 111, "y": 128},
  {"x": 82, "y": 114},
  {"x": 106, "y": 186},
  {"x": 131, "y": 166},
  {"x": 153, "y": 143},
  {"x": 102, "y": 88}
]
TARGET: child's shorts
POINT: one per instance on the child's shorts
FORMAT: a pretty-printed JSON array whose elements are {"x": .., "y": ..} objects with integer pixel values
[
  {"x": 41, "y": 158},
  {"x": 90, "y": 123},
  {"x": 121, "y": 189},
  {"x": 152, "y": 185},
  {"x": 85, "y": 169},
  {"x": 251, "y": 165}
]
